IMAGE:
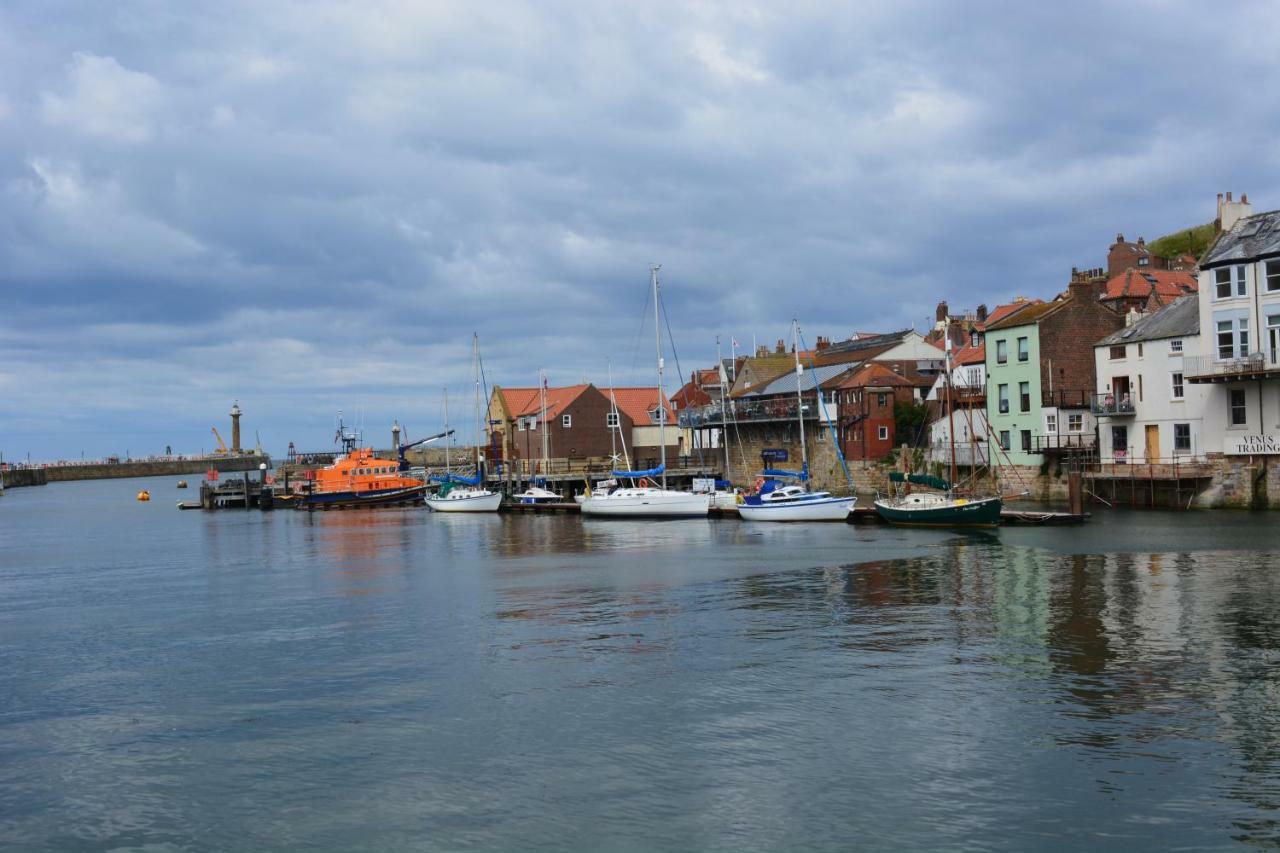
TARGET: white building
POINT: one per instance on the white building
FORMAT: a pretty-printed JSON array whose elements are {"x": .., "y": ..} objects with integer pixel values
[
  {"x": 969, "y": 378},
  {"x": 1238, "y": 365},
  {"x": 1147, "y": 411}
]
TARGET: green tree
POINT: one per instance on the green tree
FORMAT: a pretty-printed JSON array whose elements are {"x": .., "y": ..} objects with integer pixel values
[{"x": 909, "y": 418}]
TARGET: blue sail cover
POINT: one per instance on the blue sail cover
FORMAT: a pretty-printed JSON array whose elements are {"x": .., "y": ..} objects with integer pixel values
[
  {"x": 652, "y": 472},
  {"x": 802, "y": 474}
]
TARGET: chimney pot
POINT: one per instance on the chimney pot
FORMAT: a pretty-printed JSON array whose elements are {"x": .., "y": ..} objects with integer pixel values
[
  {"x": 1119, "y": 238},
  {"x": 1244, "y": 198},
  {"x": 781, "y": 346},
  {"x": 1228, "y": 196}
]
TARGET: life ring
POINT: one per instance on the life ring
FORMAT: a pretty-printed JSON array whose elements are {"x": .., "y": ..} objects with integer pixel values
[
  {"x": 759, "y": 484},
  {"x": 644, "y": 482}
]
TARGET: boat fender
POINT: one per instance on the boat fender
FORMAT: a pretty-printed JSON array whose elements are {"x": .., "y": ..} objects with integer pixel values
[
  {"x": 644, "y": 482},
  {"x": 759, "y": 484}
]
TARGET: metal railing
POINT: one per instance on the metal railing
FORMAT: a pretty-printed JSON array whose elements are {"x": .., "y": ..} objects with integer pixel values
[
  {"x": 648, "y": 458},
  {"x": 966, "y": 453},
  {"x": 1159, "y": 468},
  {"x": 1065, "y": 398},
  {"x": 1070, "y": 442},
  {"x": 1206, "y": 366},
  {"x": 1108, "y": 403}
]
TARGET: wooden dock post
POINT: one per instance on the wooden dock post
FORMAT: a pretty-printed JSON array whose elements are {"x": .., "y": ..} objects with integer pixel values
[{"x": 1075, "y": 493}]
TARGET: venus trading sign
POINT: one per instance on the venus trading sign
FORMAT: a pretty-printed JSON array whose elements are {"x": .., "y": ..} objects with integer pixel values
[{"x": 1252, "y": 444}]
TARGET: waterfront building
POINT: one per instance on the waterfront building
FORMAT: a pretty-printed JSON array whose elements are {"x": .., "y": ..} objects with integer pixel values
[
  {"x": 867, "y": 399},
  {"x": 969, "y": 396},
  {"x": 1147, "y": 290},
  {"x": 1040, "y": 375},
  {"x": 1147, "y": 412},
  {"x": 1238, "y": 362},
  {"x": 580, "y": 423}
]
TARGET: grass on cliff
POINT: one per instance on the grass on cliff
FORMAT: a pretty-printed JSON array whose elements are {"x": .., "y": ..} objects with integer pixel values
[{"x": 1191, "y": 240}]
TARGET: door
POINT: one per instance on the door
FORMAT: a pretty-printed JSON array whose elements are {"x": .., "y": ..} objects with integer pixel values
[
  {"x": 1153, "y": 444},
  {"x": 1120, "y": 443},
  {"x": 1273, "y": 338}
]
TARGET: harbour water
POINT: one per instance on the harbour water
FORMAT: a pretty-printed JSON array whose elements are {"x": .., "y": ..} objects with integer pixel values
[{"x": 394, "y": 680}]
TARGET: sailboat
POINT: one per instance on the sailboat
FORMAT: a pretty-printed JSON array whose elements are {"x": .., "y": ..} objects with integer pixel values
[
  {"x": 535, "y": 494},
  {"x": 466, "y": 494},
  {"x": 642, "y": 498},
  {"x": 943, "y": 507},
  {"x": 794, "y": 502}
]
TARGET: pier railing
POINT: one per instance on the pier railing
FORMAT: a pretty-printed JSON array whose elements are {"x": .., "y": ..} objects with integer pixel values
[{"x": 599, "y": 465}]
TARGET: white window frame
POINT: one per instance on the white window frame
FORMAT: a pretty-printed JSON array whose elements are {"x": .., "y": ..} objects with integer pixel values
[
  {"x": 1024, "y": 348},
  {"x": 1175, "y": 346},
  {"x": 566, "y": 421},
  {"x": 1181, "y": 451},
  {"x": 1177, "y": 386},
  {"x": 1075, "y": 422},
  {"x": 1271, "y": 272},
  {"x": 1002, "y": 351},
  {"x": 1051, "y": 423},
  {"x": 1231, "y": 409},
  {"x": 882, "y": 433},
  {"x": 611, "y": 420}
]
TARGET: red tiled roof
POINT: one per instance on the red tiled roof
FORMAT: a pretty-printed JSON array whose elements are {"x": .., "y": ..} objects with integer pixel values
[
  {"x": 1002, "y": 311},
  {"x": 690, "y": 395},
  {"x": 523, "y": 402},
  {"x": 638, "y": 402},
  {"x": 874, "y": 373},
  {"x": 1167, "y": 284},
  {"x": 970, "y": 355}
]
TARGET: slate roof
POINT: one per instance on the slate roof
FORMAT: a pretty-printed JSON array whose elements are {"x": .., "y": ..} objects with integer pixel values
[
  {"x": 1251, "y": 238},
  {"x": 1179, "y": 318},
  {"x": 786, "y": 383}
]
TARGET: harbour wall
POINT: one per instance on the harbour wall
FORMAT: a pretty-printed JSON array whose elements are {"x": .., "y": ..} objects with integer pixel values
[
  {"x": 148, "y": 468},
  {"x": 16, "y": 477}
]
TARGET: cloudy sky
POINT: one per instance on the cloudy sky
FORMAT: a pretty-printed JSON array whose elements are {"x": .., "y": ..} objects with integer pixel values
[{"x": 311, "y": 206}]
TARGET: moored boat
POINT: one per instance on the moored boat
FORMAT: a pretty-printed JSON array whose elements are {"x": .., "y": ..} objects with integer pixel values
[
  {"x": 776, "y": 502},
  {"x": 938, "y": 509},
  {"x": 360, "y": 478},
  {"x": 466, "y": 494}
]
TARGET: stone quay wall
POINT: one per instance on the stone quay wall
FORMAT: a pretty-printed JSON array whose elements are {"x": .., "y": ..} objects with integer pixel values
[
  {"x": 16, "y": 477},
  {"x": 149, "y": 468}
]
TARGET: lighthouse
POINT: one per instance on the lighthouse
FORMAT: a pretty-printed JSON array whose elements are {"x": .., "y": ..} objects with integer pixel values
[
  {"x": 395, "y": 435},
  {"x": 235, "y": 427}
]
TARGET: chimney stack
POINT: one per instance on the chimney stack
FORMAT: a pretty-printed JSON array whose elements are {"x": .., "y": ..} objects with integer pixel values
[
  {"x": 940, "y": 314},
  {"x": 781, "y": 346},
  {"x": 982, "y": 312}
]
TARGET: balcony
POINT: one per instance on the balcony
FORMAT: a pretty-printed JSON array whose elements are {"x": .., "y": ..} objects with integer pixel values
[
  {"x": 1199, "y": 369},
  {"x": 1112, "y": 405},
  {"x": 1058, "y": 444},
  {"x": 1066, "y": 399},
  {"x": 749, "y": 411}
]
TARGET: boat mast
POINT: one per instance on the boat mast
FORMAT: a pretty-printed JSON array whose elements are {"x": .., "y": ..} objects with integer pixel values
[
  {"x": 951, "y": 414},
  {"x": 447, "y": 439},
  {"x": 662, "y": 409},
  {"x": 795, "y": 348},
  {"x": 724, "y": 412},
  {"x": 616, "y": 433},
  {"x": 542, "y": 391},
  {"x": 475, "y": 366}
]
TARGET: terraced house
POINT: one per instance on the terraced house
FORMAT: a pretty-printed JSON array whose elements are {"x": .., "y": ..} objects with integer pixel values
[
  {"x": 1040, "y": 375},
  {"x": 1239, "y": 358}
]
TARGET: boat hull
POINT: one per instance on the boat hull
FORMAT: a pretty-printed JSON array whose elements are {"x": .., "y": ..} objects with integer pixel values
[
  {"x": 466, "y": 503},
  {"x": 820, "y": 509},
  {"x": 958, "y": 513},
  {"x": 348, "y": 500},
  {"x": 653, "y": 504}
]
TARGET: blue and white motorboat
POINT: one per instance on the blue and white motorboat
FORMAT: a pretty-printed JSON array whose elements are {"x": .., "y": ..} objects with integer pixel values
[{"x": 778, "y": 502}]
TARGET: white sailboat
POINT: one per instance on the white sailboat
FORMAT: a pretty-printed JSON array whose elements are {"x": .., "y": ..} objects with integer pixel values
[
  {"x": 466, "y": 494},
  {"x": 794, "y": 502},
  {"x": 534, "y": 494},
  {"x": 643, "y": 499}
]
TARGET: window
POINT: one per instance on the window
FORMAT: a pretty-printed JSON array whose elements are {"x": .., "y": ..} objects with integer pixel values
[
  {"x": 882, "y": 399},
  {"x": 566, "y": 421},
  {"x": 1002, "y": 352},
  {"x": 1139, "y": 350},
  {"x": 533, "y": 423},
  {"x": 1175, "y": 347},
  {"x": 1004, "y": 439},
  {"x": 657, "y": 415},
  {"x": 1139, "y": 387},
  {"x": 1177, "y": 386},
  {"x": 973, "y": 376},
  {"x": 1075, "y": 423},
  {"x": 1273, "y": 276},
  {"x": 1226, "y": 341},
  {"x": 1117, "y": 353},
  {"x": 1241, "y": 289},
  {"x": 1238, "y": 416},
  {"x": 883, "y": 433},
  {"x": 520, "y": 424},
  {"x": 611, "y": 420},
  {"x": 1051, "y": 424},
  {"x": 1024, "y": 351},
  {"x": 1026, "y": 441},
  {"x": 1024, "y": 396},
  {"x": 1182, "y": 438},
  {"x": 974, "y": 339},
  {"x": 1222, "y": 283},
  {"x": 1243, "y": 343},
  {"x": 1003, "y": 396}
]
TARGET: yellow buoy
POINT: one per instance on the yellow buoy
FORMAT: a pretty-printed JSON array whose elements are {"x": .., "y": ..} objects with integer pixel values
[{"x": 144, "y": 495}]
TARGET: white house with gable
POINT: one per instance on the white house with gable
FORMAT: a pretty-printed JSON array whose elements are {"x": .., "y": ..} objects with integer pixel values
[{"x": 1147, "y": 411}]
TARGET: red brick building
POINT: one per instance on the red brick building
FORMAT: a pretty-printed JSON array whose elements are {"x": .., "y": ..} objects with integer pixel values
[{"x": 867, "y": 397}]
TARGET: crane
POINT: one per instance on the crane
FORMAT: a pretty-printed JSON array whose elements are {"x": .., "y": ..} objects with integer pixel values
[
  {"x": 404, "y": 463},
  {"x": 222, "y": 445}
]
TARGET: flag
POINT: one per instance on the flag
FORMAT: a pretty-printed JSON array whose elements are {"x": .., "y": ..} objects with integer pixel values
[{"x": 735, "y": 344}]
